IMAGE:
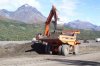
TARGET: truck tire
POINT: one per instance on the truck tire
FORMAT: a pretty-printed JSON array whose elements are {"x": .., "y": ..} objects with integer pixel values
[
  {"x": 76, "y": 49},
  {"x": 47, "y": 49},
  {"x": 65, "y": 50},
  {"x": 60, "y": 50}
]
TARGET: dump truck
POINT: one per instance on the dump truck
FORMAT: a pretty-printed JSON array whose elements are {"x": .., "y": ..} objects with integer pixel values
[{"x": 59, "y": 41}]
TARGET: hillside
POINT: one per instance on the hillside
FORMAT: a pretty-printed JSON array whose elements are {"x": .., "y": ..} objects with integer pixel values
[
  {"x": 14, "y": 30},
  {"x": 85, "y": 34},
  {"x": 88, "y": 34}
]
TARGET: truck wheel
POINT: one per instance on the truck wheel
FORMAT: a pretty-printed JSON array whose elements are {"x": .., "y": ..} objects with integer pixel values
[
  {"x": 60, "y": 49},
  {"x": 76, "y": 49},
  {"x": 65, "y": 50},
  {"x": 47, "y": 49}
]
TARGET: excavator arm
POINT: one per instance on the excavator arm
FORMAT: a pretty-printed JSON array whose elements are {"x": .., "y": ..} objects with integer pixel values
[{"x": 49, "y": 19}]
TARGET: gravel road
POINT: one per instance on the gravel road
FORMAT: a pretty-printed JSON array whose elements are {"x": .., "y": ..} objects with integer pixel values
[{"x": 92, "y": 59}]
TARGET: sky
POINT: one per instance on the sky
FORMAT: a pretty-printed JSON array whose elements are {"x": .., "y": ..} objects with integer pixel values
[{"x": 68, "y": 10}]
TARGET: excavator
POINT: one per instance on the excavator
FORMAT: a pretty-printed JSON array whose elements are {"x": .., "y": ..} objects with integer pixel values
[{"x": 61, "y": 42}]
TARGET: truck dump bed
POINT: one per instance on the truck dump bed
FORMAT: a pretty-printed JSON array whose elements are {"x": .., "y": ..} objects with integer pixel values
[{"x": 52, "y": 39}]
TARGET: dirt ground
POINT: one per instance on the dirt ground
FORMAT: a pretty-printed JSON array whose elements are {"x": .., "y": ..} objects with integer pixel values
[
  {"x": 14, "y": 54},
  {"x": 92, "y": 59}
]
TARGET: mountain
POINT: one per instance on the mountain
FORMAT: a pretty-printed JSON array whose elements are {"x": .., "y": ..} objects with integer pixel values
[
  {"x": 78, "y": 24},
  {"x": 5, "y": 14},
  {"x": 30, "y": 15},
  {"x": 25, "y": 13}
]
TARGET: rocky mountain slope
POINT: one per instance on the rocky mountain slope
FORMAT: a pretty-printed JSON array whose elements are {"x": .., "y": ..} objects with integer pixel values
[
  {"x": 78, "y": 24},
  {"x": 25, "y": 13}
]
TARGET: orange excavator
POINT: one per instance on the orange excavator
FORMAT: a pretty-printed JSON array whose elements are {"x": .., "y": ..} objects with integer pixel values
[
  {"x": 47, "y": 23},
  {"x": 58, "y": 42}
]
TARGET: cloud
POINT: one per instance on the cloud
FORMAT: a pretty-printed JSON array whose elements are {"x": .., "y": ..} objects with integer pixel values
[
  {"x": 66, "y": 8},
  {"x": 14, "y": 4},
  {"x": 69, "y": 7}
]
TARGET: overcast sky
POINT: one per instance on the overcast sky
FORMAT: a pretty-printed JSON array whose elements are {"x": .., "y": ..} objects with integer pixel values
[{"x": 68, "y": 10}]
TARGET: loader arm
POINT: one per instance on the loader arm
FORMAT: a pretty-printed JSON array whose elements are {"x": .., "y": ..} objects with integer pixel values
[{"x": 49, "y": 19}]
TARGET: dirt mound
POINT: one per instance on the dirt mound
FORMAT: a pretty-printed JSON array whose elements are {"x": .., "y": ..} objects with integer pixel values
[{"x": 16, "y": 50}]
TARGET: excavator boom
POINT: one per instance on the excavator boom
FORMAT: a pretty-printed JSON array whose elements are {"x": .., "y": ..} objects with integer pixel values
[{"x": 49, "y": 19}]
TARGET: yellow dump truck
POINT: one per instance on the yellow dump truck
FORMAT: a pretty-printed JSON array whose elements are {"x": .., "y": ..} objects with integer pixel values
[{"x": 59, "y": 41}]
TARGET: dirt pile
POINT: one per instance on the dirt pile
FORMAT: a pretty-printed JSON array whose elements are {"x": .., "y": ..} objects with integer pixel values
[{"x": 16, "y": 50}]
